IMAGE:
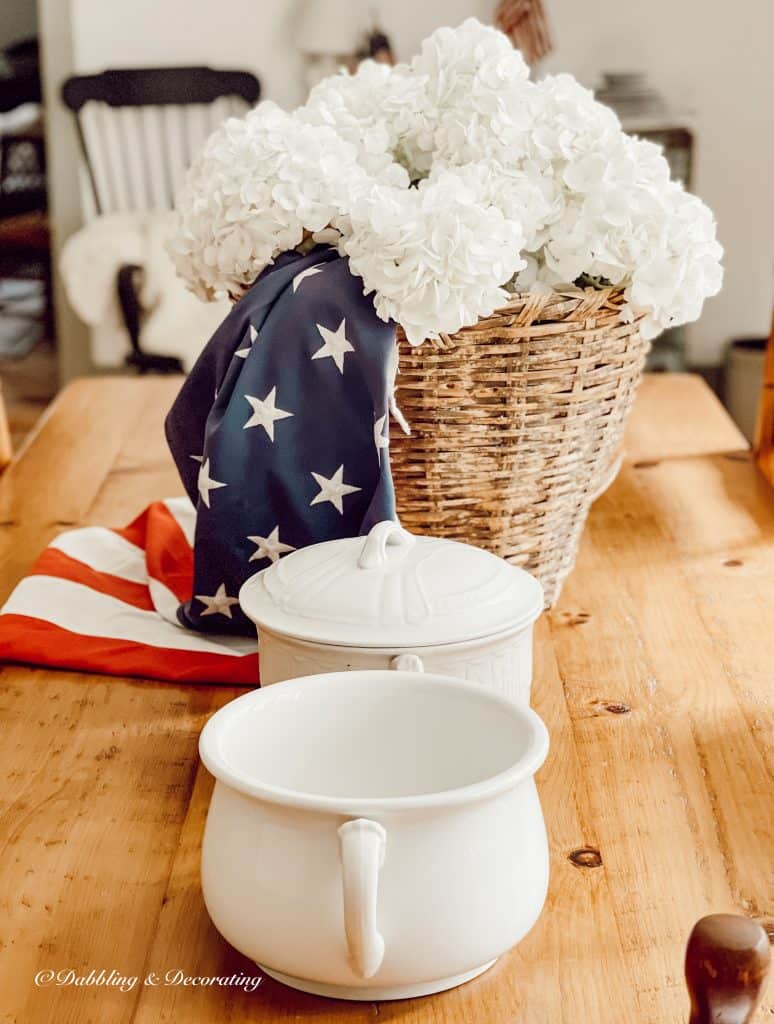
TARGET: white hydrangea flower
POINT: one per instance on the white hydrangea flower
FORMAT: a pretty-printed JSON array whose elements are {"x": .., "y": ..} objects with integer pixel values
[
  {"x": 449, "y": 183},
  {"x": 475, "y": 102},
  {"x": 434, "y": 255},
  {"x": 259, "y": 185},
  {"x": 373, "y": 110}
]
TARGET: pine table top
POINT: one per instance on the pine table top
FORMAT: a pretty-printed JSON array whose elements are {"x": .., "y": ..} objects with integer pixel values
[{"x": 653, "y": 675}]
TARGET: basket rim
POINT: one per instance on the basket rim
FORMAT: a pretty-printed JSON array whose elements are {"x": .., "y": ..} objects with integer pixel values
[{"x": 528, "y": 309}]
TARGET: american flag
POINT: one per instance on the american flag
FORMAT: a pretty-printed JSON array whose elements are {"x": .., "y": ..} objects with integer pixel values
[
  {"x": 101, "y": 600},
  {"x": 280, "y": 435}
]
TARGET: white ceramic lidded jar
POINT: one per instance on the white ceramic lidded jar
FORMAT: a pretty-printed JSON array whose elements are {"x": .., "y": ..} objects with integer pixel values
[{"x": 393, "y": 598}]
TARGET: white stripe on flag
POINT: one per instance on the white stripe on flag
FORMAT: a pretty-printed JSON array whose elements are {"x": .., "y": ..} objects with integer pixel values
[
  {"x": 164, "y": 601},
  {"x": 184, "y": 514},
  {"x": 87, "y": 612},
  {"x": 104, "y": 551}
]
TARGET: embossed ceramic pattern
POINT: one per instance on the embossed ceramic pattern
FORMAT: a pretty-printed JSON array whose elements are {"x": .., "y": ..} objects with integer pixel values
[
  {"x": 345, "y": 870},
  {"x": 502, "y": 663},
  {"x": 360, "y": 602}
]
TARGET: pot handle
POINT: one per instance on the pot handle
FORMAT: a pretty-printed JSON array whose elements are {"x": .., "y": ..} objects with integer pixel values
[
  {"x": 407, "y": 663},
  {"x": 361, "y": 849},
  {"x": 374, "y": 551}
]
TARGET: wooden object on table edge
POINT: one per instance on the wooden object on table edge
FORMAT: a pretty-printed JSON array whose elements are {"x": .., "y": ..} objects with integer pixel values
[
  {"x": 726, "y": 965},
  {"x": 652, "y": 675},
  {"x": 6, "y": 448},
  {"x": 764, "y": 433}
]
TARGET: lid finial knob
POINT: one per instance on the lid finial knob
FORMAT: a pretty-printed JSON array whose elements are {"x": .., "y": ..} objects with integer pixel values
[{"x": 374, "y": 553}]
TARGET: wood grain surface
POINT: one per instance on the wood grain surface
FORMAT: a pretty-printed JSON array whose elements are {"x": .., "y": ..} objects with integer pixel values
[
  {"x": 653, "y": 675},
  {"x": 677, "y": 414}
]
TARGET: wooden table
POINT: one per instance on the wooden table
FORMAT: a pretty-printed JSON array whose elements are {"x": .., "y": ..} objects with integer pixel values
[{"x": 653, "y": 675}]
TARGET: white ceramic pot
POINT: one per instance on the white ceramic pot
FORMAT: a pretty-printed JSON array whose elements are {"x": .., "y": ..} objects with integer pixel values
[
  {"x": 360, "y": 603},
  {"x": 374, "y": 835}
]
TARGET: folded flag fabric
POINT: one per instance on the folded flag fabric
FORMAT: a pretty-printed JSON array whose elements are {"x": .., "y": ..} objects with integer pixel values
[
  {"x": 280, "y": 432},
  {"x": 280, "y": 435},
  {"x": 101, "y": 600}
]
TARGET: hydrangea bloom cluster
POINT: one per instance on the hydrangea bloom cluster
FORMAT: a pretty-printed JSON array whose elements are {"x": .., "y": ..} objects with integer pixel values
[{"x": 450, "y": 182}]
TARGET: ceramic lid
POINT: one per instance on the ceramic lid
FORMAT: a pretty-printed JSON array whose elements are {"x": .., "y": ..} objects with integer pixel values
[{"x": 391, "y": 589}]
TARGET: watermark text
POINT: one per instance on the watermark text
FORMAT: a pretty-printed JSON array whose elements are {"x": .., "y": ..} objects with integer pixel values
[{"x": 111, "y": 978}]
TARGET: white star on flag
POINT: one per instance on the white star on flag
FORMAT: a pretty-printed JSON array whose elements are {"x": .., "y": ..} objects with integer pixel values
[
  {"x": 243, "y": 353},
  {"x": 206, "y": 484},
  {"x": 219, "y": 604},
  {"x": 269, "y": 547},
  {"x": 333, "y": 489},
  {"x": 380, "y": 439},
  {"x": 336, "y": 345},
  {"x": 265, "y": 413},
  {"x": 309, "y": 272}
]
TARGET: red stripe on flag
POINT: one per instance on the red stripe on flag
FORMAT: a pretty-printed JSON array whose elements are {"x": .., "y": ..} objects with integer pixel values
[
  {"x": 170, "y": 558},
  {"x": 34, "y": 641},
  {"x": 136, "y": 532},
  {"x": 56, "y": 563},
  {"x": 168, "y": 555}
]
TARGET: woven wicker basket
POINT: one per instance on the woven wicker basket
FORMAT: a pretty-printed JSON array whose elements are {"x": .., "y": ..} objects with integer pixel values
[{"x": 517, "y": 425}]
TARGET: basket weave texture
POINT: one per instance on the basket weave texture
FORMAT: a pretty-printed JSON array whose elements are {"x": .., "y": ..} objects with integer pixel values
[{"x": 517, "y": 425}]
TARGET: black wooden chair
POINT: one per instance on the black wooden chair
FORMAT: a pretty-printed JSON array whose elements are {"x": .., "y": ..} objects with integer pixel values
[{"x": 139, "y": 129}]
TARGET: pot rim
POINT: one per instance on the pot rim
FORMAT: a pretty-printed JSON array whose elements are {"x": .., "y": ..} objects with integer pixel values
[{"x": 531, "y": 759}]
